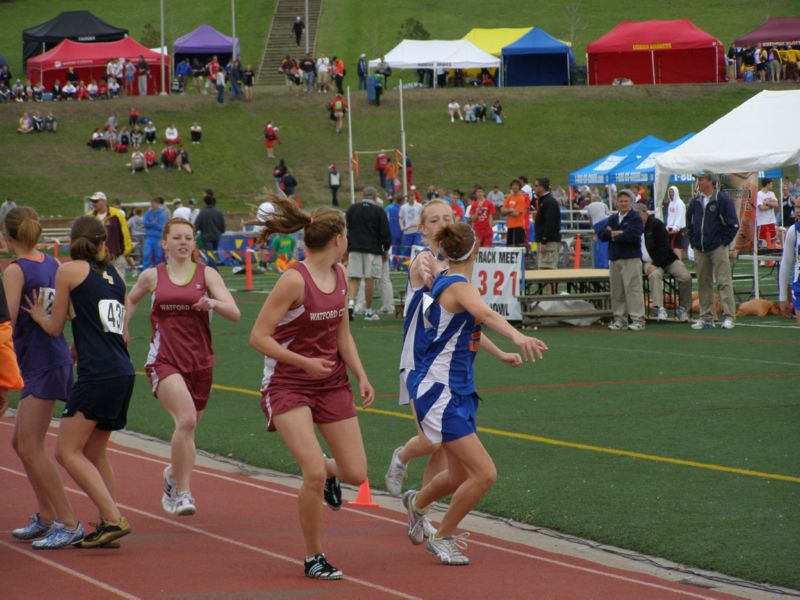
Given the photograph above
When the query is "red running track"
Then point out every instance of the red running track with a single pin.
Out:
(245, 543)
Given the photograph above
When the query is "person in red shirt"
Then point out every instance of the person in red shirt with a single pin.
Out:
(338, 106)
(303, 331)
(150, 157)
(381, 162)
(168, 156)
(516, 208)
(480, 217)
(270, 137)
(181, 358)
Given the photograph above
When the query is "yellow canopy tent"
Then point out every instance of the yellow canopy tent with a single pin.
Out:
(492, 41)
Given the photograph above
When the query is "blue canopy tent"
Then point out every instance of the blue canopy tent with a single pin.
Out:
(599, 172)
(537, 58)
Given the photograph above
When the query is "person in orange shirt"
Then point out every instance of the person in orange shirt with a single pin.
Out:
(338, 73)
(516, 207)
(389, 171)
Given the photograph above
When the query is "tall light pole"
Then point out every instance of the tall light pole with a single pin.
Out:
(161, 51)
(307, 47)
(233, 22)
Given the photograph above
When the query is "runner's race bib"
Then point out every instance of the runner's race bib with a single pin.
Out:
(112, 316)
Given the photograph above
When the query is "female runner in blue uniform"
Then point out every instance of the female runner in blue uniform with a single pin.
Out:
(443, 390)
(98, 403)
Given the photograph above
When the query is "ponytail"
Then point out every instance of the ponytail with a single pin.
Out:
(87, 242)
(23, 226)
(319, 227)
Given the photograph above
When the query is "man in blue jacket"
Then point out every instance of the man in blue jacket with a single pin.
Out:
(712, 224)
(154, 222)
(623, 232)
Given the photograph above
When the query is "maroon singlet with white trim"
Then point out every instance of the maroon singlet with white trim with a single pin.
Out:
(310, 330)
(181, 336)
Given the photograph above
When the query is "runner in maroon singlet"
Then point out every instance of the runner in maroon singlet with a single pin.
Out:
(181, 359)
(308, 348)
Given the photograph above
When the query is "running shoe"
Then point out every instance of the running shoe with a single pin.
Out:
(702, 324)
(636, 326)
(427, 527)
(170, 495)
(448, 549)
(333, 493)
(59, 536)
(416, 531)
(662, 314)
(396, 474)
(185, 505)
(728, 324)
(33, 530)
(105, 533)
(683, 315)
(318, 567)
(616, 326)
(371, 315)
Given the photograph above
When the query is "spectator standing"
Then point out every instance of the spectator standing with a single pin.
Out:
(515, 208)
(323, 74)
(480, 217)
(598, 211)
(623, 233)
(248, 79)
(338, 107)
(334, 182)
(179, 211)
(297, 29)
(270, 137)
(182, 71)
(210, 226)
(393, 214)
(194, 211)
(497, 197)
(789, 275)
(130, 75)
(676, 222)
(198, 72)
(118, 238)
(6, 207)
(410, 215)
(235, 76)
(289, 183)
(711, 224)
(219, 81)
(381, 162)
(766, 204)
(658, 259)
(309, 69)
(136, 228)
(363, 70)
(5, 76)
(368, 244)
(143, 71)
(154, 222)
(548, 225)
(339, 72)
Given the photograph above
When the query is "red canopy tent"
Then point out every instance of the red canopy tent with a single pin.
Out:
(773, 33)
(650, 52)
(89, 62)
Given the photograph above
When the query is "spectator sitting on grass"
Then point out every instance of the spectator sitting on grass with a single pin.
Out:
(112, 122)
(171, 134)
(57, 91)
(97, 141)
(38, 92)
(469, 112)
(38, 121)
(138, 162)
(480, 111)
(124, 137)
(69, 91)
(136, 136)
(50, 123)
(454, 110)
(196, 132)
(5, 93)
(150, 132)
(18, 91)
(113, 88)
(82, 93)
(102, 90)
(92, 89)
(496, 112)
(133, 116)
(168, 157)
(25, 124)
(183, 160)
(150, 157)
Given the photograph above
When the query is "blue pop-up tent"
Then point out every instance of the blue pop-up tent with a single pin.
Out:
(599, 172)
(537, 58)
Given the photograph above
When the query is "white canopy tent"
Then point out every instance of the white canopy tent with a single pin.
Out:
(438, 54)
(760, 134)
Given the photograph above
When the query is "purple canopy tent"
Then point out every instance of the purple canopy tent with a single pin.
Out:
(773, 33)
(202, 43)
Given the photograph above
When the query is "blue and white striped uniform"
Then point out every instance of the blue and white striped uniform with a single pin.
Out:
(443, 383)
(412, 327)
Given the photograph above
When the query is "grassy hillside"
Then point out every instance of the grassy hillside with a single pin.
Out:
(350, 27)
(548, 132)
(180, 17)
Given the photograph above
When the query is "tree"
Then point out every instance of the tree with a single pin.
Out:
(413, 30)
(151, 37)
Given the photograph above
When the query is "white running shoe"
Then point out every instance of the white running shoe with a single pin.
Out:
(728, 323)
(662, 314)
(415, 531)
(616, 326)
(371, 315)
(396, 474)
(33, 530)
(702, 324)
(636, 326)
(170, 494)
(184, 505)
(448, 549)
(428, 529)
(683, 315)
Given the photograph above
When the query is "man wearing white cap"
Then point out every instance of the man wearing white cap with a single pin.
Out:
(118, 241)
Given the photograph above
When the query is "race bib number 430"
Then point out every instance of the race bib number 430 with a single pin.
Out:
(112, 316)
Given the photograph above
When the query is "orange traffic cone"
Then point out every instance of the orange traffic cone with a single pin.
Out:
(577, 260)
(364, 496)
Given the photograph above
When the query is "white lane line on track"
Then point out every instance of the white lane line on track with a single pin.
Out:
(68, 570)
(373, 516)
(230, 541)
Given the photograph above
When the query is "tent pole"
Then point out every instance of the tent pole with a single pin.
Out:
(161, 51)
(350, 147)
(588, 78)
(435, 76)
(566, 57)
(653, 65)
(755, 257)
(403, 142)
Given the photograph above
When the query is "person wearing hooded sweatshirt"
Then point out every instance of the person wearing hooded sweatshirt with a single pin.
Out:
(676, 223)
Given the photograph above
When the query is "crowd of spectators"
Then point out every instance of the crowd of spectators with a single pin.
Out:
(780, 62)
(34, 122)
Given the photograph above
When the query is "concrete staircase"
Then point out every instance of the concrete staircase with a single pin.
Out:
(280, 40)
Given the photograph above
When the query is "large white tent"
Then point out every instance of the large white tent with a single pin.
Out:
(438, 54)
(760, 134)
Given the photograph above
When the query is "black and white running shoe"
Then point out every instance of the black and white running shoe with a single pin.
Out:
(333, 493)
(319, 568)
